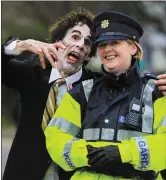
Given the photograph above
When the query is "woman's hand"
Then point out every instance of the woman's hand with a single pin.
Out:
(162, 83)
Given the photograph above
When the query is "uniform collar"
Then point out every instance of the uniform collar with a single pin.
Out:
(129, 77)
(55, 74)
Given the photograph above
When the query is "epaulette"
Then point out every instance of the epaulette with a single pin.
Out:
(150, 76)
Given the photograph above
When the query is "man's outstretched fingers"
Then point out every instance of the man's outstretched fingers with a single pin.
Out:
(41, 56)
(49, 57)
(162, 76)
(59, 45)
(53, 52)
(55, 57)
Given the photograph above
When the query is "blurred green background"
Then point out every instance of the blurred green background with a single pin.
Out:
(31, 19)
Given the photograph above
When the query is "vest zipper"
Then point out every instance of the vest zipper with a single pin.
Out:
(116, 126)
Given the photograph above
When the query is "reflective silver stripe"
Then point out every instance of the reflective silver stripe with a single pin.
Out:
(65, 125)
(67, 152)
(87, 85)
(144, 155)
(126, 134)
(94, 133)
(107, 134)
(91, 134)
(163, 123)
(147, 117)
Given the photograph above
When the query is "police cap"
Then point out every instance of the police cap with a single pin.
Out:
(111, 25)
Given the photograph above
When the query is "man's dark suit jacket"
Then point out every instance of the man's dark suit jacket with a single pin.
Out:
(28, 158)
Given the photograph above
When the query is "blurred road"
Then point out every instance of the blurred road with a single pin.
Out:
(5, 151)
(7, 138)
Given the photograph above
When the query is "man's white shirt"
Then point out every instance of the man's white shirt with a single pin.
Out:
(9, 49)
(62, 89)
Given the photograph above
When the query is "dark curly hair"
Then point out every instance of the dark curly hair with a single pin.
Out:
(58, 30)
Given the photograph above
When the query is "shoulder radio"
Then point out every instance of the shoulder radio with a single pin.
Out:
(134, 117)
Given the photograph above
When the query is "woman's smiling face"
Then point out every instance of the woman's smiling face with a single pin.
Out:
(116, 55)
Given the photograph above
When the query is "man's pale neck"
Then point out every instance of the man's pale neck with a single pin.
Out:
(66, 73)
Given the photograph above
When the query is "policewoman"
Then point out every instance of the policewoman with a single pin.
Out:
(113, 127)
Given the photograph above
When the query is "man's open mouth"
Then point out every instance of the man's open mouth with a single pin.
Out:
(73, 56)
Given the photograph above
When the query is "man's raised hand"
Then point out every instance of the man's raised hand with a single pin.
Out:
(42, 49)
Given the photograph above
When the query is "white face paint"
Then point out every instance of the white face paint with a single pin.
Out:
(78, 41)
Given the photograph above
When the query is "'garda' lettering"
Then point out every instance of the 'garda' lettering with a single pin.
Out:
(143, 152)
(67, 151)
(67, 159)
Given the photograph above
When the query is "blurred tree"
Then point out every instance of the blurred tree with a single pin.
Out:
(31, 19)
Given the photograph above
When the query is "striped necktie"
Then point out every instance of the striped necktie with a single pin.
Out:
(51, 105)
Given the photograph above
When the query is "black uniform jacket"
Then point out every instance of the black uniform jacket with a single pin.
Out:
(28, 158)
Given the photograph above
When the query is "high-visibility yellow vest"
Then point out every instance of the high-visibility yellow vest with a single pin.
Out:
(70, 152)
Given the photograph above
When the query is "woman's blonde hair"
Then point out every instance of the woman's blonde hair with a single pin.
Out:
(139, 53)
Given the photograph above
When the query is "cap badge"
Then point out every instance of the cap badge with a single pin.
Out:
(104, 24)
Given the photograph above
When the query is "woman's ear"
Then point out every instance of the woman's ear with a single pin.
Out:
(134, 49)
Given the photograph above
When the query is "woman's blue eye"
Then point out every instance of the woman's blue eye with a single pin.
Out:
(114, 42)
(103, 44)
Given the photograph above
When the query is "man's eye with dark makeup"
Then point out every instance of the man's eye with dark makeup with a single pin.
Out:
(87, 42)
